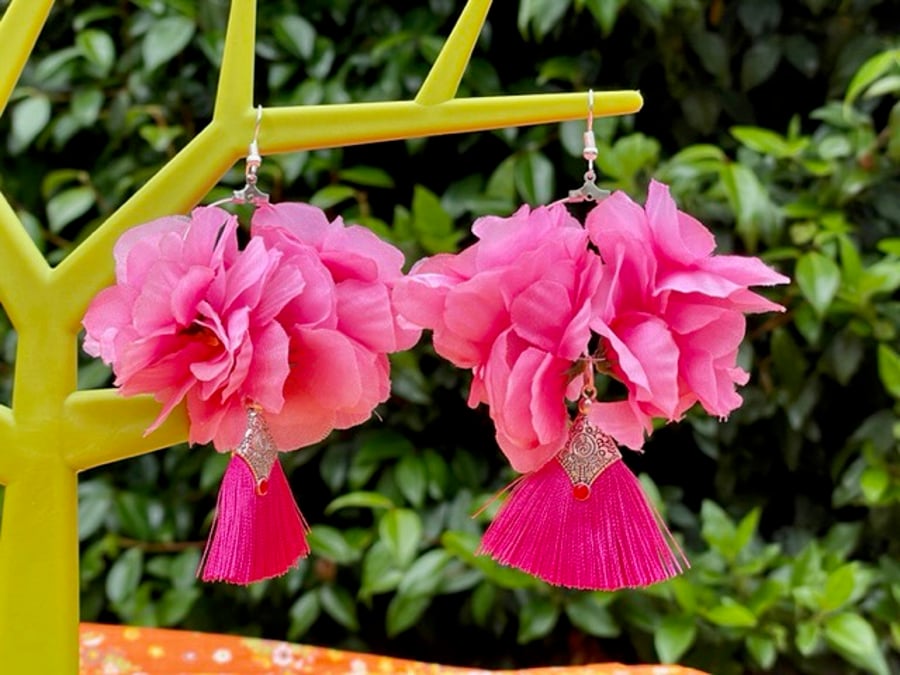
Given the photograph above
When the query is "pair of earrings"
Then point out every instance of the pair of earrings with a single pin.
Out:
(274, 345)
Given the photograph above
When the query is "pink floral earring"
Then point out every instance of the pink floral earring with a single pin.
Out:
(271, 347)
(523, 307)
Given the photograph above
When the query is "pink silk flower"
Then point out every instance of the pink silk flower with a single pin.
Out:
(515, 308)
(670, 311)
(192, 317)
(520, 306)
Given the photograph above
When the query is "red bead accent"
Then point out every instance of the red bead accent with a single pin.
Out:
(581, 491)
(262, 487)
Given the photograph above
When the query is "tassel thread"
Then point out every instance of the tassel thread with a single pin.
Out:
(258, 531)
(583, 521)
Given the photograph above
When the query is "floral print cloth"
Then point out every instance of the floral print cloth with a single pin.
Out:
(121, 650)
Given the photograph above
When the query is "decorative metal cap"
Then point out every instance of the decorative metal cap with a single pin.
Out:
(588, 453)
(257, 448)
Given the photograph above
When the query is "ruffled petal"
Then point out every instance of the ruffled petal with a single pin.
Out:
(622, 421)
(679, 236)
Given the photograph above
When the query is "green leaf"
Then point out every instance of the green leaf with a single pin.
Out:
(175, 604)
(605, 12)
(339, 605)
(374, 449)
(889, 369)
(502, 182)
(819, 278)
(769, 592)
(808, 637)
(851, 636)
(464, 544)
(379, 571)
(412, 479)
(438, 473)
(746, 529)
(718, 530)
(483, 599)
(133, 511)
(332, 195)
(160, 138)
(98, 48)
(297, 34)
(359, 499)
(541, 15)
(807, 567)
(404, 611)
(871, 70)
(213, 469)
(368, 176)
(890, 245)
(763, 650)
(425, 574)
(68, 205)
(183, 569)
(303, 613)
(731, 614)
(86, 105)
(29, 117)
(874, 483)
(750, 202)
(94, 502)
(686, 594)
(125, 575)
(763, 141)
(674, 636)
(713, 52)
(839, 587)
(590, 615)
(628, 157)
(758, 63)
(791, 365)
(431, 222)
(536, 619)
(166, 38)
(834, 146)
(401, 531)
(329, 542)
(534, 177)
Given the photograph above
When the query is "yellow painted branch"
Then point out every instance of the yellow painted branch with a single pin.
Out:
(19, 29)
(325, 126)
(193, 172)
(46, 367)
(23, 283)
(93, 440)
(39, 567)
(175, 189)
(9, 457)
(235, 91)
(447, 72)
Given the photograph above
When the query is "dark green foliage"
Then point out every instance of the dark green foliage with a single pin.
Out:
(777, 124)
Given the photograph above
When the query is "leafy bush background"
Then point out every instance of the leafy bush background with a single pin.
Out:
(777, 124)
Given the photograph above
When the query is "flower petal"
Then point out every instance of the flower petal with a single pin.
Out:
(620, 420)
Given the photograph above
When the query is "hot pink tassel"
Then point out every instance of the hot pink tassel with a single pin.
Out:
(582, 520)
(258, 531)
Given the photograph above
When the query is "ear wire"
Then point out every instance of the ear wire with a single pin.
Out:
(250, 193)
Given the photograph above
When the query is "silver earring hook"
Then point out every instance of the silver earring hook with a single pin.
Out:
(250, 193)
(589, 192)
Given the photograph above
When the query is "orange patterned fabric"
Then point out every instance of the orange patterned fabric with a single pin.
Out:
(121, 650)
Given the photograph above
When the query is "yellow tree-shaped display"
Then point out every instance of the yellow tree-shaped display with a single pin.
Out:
(52, 431)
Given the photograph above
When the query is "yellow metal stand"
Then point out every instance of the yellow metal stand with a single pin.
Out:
(54, 431)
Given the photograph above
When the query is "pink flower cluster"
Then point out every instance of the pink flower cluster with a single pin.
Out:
(298, 322)
(521, 306)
